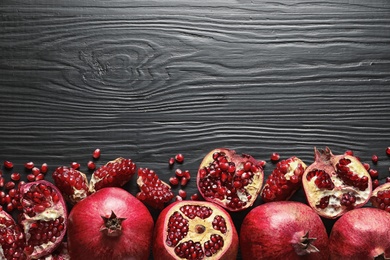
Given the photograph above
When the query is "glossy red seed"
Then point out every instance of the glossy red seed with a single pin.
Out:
(183, 181)
(8, 165)
(388, 151)
(10, 185)
(15, 176)
(179, 158)
(182, 193)
(275, 157)
(195, 196)
(387, 179)
(30, 177)
(367, 166)
(75, 165)
(91, 165)
(179, 173)
(96, 154)
(374, 158)
(171, 162)
(178, 198)
(44, 168)
(375, 183)
(187, 174)
(35, 171)
(348, 152)
(29, 165)
(373, 173)
(174, 181)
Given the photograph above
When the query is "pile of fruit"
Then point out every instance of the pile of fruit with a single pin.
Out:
(76, 217)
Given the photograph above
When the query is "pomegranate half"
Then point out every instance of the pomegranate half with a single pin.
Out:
(361, 234)
(283, 230)
(230, 180)
(194, 230)
(110, 224)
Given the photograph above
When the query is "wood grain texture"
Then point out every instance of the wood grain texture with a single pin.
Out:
(148, 79)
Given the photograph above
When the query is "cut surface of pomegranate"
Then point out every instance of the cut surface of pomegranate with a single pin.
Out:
(283, 230)
(194, 230)
(361, 234)
(380, 197)
(110, 224)
(12, 240)
(335, 184)
(230, 180)
(284, 180)
(44, 217)
(153, 191)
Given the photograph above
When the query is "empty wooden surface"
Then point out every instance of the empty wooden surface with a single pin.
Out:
(149, 79)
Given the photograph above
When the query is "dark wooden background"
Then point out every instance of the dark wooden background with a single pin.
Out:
(149, 79)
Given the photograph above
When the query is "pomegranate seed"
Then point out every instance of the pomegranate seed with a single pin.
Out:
(8, 165)
(373, 173)
(387, 179)
(348, 152)
(2, 182)
(388, 151)
(15, 176)
(275, 157)
(96, 153)
(10, 185)
(29, 165)
(374, 158)
(182, 193)
(179, 158)
(75, 165)
(91, 165)
(367, 166)
(30, 177)
(39, 177)
(375, 183)
(44, 168)
(178, 198)
(187, 174)
(179, 173)
(195, 196)
(171, 162)
(184, 181)
(35, 171)
(174, 181)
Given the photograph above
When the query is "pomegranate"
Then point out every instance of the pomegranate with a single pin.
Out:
(43, 217)
(284, 180)
(61, 253)
(110, 224)
(283, 230)
(230, 180)
(335, 184)
(194, 230)
(153, 191)
(381, 197)
(361, 234)
(12, 240)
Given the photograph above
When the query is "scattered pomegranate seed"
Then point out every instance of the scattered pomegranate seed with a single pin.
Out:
(35, 171)
(179, 173)
(178, 198)
(174, 181)
(96, 153)
(171, 162)
(2, 182)
(182, 193)
(31, 177)
(8, 165)
(374, 158)
(387, 179)
(39, 177)
(375, 183)
(373, 173)
(367, 166)
(348, 152)
(388, 151)
(187, 174)
(15, 176)
(275, 157)
(10, 185)
(183, 181)
(195, 196)
(29, 165)
(44, 168)
(75, 165)
(179, 158)
(91, 165)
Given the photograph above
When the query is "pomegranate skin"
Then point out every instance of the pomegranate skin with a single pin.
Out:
(160, 251)
(273, 230)
(362, 233)
(87, 241)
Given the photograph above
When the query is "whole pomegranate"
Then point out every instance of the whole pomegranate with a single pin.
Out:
(230, 180)
(361, 234)
(194, 230)
(43, 218)
(109, 224)
(283, 230)
(335, 184)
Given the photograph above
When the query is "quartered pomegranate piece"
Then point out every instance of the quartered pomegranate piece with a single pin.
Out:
(195, 230)
(284, 180)
(335, 184)
(115, 173)
(381, 197)
(153, 191)
(11, 238)
(230, 180)
(72, 183)
(43, 219)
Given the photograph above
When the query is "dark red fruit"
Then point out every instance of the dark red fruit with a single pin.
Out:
(12, 240)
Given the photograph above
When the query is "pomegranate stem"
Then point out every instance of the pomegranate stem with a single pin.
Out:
(112, 225)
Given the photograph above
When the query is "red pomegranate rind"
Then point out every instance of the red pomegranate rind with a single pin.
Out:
(284, 180)
(335, 184)
(11, 238)
(153, 191)
(230, 180)
(72, 183)
(204, 226)
(43, 218)
(381, 197)
(115, 173)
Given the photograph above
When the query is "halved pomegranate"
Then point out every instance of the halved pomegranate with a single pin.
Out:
(44, 217)
(230, 180)
(381, 197)
(335, 184)
(12, 240)
(194, 230)
(284, 180)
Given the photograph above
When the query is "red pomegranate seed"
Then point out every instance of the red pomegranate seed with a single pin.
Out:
(375, 183)
(187, 174)
(388, 151)
(174, 181)
(374, 158)
(179, 173)
(348, 152)
(15, 176)
(96, 153)
(2, 182)
(387, 179)
(178, 198)
(29, 165)
(373, 173)
(39, 177)
(195, 196)
(44, 168)
(171, 162)
(367, 166)
(183, 181)
(10, 185)
(182, 193)
(179, 158)
(8, 165)
(31, 177)
(275, 157)
(75, 165)
(91, 165)
(35, 171)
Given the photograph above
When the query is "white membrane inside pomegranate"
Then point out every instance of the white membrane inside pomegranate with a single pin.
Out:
(196, 232)
(335, 184)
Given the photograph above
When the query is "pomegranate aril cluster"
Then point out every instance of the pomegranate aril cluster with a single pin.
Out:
(349, 177)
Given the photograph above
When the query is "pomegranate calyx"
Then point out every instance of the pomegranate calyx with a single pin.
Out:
(112, 226)
(303, 244)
